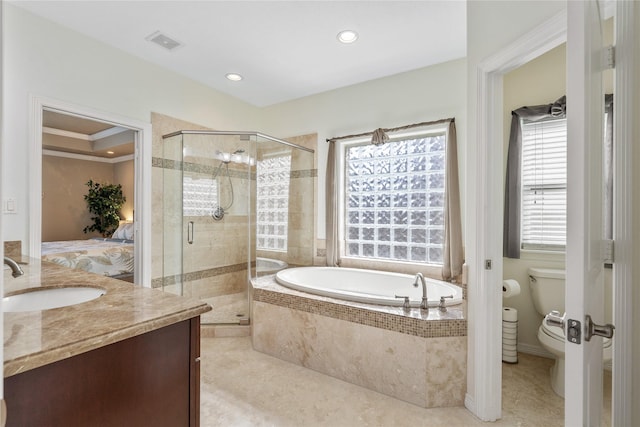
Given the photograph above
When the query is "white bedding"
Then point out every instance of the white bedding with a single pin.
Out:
(108, 257)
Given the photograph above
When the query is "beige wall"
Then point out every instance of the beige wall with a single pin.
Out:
(124, 174)
(64, 210)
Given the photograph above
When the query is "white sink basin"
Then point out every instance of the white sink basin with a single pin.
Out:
(47, 298)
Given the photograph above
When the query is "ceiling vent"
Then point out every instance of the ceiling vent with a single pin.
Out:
(164, 41)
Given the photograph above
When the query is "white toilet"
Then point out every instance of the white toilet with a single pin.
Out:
(547, 291)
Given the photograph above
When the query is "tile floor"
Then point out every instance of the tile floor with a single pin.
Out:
(228, 309)
(242, 387)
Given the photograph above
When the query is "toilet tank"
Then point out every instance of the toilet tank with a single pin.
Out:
(547, 289)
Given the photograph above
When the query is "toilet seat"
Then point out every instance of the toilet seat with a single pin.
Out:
(554, 332)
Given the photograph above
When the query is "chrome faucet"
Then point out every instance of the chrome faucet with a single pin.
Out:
(16, 271)
(425, 302)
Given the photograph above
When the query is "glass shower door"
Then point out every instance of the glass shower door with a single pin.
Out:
(216, 170)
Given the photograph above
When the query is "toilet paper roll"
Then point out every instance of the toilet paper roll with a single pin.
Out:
(509, 352)
(510, 288)
(509, 314)
(509, 344)
(510, 359)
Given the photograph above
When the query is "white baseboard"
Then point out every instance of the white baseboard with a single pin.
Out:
(537, 350)
(469, 403)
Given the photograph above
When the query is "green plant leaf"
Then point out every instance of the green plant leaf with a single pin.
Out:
(104, 202)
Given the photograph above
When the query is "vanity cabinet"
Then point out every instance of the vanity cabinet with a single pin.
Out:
(152, 379)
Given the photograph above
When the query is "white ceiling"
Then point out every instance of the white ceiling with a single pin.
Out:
(284, 49)
(67, 133)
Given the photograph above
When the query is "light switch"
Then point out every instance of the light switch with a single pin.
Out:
(10, 206)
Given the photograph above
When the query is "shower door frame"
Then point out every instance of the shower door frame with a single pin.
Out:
(248, 134)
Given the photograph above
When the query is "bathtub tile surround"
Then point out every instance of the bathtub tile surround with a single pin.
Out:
(416, 357)
(415, 322)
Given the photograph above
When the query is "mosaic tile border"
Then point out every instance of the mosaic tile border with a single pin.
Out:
(159, 162)
(304, 173)
(196, 275)
(392, 322)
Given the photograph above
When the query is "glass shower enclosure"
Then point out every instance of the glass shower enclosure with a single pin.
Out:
(236, 205)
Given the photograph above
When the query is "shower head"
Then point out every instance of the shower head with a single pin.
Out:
(238, 151)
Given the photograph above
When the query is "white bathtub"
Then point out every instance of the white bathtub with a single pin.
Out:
(269, 266)
(367, 286)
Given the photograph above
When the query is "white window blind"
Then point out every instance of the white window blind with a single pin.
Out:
(544, 184)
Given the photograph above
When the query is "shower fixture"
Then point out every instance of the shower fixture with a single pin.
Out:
(225, 159)
(237, 156)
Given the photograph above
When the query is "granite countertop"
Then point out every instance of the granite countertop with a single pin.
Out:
(36, 338)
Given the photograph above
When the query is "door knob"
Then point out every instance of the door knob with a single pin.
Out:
(592, 329)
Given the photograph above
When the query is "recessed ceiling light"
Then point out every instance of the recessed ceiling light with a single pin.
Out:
(347, 36)
(234, 77)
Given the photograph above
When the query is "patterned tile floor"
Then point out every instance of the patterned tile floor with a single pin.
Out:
(242, 387)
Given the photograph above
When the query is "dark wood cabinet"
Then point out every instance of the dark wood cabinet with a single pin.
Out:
(151, 379)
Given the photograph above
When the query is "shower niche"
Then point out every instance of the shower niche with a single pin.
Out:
(236, 205)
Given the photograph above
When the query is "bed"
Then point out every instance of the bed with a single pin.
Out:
(112, 257)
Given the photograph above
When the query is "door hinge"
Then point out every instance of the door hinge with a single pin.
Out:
(609, 58)
(608, 251)
(488, 264)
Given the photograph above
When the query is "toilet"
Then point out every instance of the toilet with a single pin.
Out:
(547, 291)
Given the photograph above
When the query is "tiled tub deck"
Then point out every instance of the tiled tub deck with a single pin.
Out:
(414, 356)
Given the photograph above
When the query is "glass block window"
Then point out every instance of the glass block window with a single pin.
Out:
(273, 174)
(200, 196)
(394, 200)
(544, 185)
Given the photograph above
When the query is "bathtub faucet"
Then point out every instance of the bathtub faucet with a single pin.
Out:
(425, 302)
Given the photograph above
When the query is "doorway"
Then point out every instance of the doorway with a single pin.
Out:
(484, 343)
(83, 157)
(109, 132)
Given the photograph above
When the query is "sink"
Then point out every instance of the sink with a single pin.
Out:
(48, 298)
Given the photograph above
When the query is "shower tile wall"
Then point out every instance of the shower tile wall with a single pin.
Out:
(215, 264)
(302, 202)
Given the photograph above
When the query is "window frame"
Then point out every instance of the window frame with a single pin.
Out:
(341, 165)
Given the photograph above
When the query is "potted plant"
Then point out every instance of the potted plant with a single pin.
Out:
(104, 202)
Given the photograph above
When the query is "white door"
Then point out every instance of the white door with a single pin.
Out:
(585, 261)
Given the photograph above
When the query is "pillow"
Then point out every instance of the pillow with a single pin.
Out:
(124, 231)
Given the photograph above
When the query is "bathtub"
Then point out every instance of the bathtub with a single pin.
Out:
(269, 266)
(366, 286)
